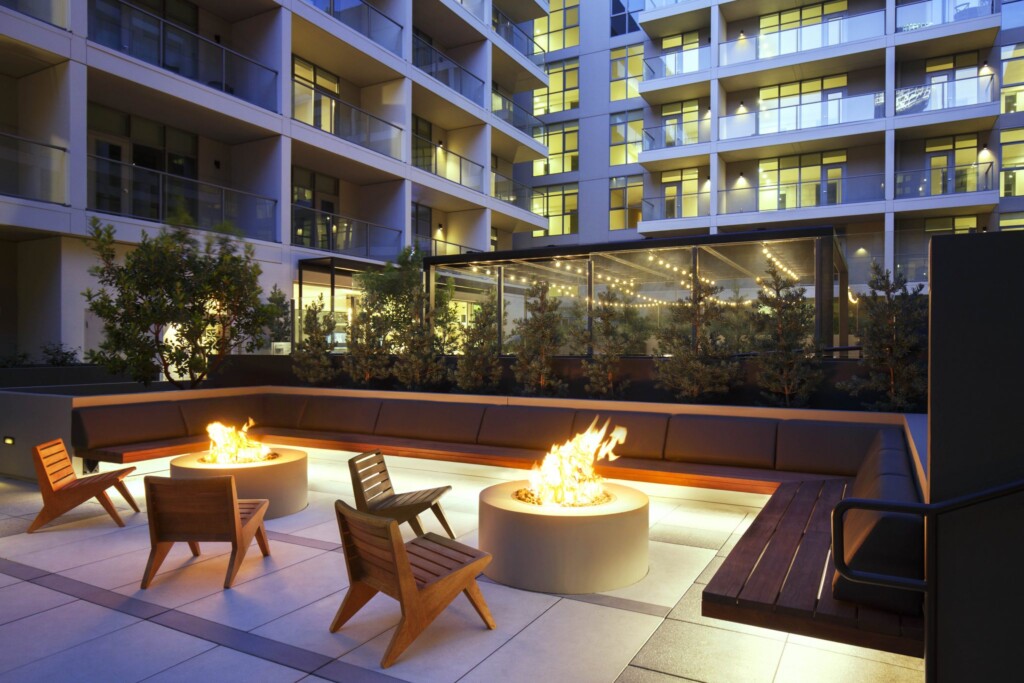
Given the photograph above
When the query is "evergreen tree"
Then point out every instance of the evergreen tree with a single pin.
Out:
(576, 338)
(611, 340)
(695, 364)
(540, 338)
(636, 329)
(893, 343)
(445, 319)
(311, 358)
(786, 366)
(418, 363)
(280, 312)
(479, 366)
(368, 357)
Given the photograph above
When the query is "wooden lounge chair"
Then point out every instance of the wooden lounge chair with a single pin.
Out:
(424, 575)
(197, 510)
(374, 494)
(63, 490)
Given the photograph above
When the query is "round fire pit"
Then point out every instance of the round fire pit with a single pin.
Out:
(553, 549)
(283, 480)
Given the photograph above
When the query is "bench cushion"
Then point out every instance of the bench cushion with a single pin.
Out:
(717, 440)
(836, 448)
(430, 420)
(645, 432)
(283, 410)
(526, 427)
(340, 414)
(98, 426)
(231, 411)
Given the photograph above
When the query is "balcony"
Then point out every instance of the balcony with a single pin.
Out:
(516, 37)
(447, 71)
(963, 92)
(511, 192)
(365, 19)
(474, 7)
(331, 114)
(677, 63)
(52, 12)
(147, 37)
(803, 116)
(343, 235)
(945, 180)
(918, 15)
(677, 135)
(436, 247)
(32, 170)
(447, 164)
(841, 191)
(129, 190)
(511, 113)
(791, 41)
(668, 207)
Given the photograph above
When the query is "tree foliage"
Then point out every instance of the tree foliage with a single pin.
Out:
(311, 357)
(611, 338)
(174, 306)
(540, 338)
(479, 366)
(893, 343)
(279, 325)
(786, 366)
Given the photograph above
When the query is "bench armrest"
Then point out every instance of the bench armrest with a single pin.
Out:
(839, 543)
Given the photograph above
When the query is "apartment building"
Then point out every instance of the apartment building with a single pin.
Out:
(331, 133)
(887, 121)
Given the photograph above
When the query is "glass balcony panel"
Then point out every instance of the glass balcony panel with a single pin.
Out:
(510, 112)
(341, 119)
(436, 247)
(366, 19)
(803, 116)
(831, 192)
(677, 134)
(32, 170)
(666, 207)
(918, 15)
(447, 164)
(826, 34)
(516, 37)
(343, 235)
(945, 180)
(511, 192)
(962, 92)
(443, 68)
(678, 63)
(475, 7)
(51, 11)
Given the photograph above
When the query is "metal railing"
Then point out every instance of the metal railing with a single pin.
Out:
(512, 192)
(510, 112)
(918, 15)
(677, 134)
(443, 68)
(519, 39)
(802, 116)
(807, 194)
(129, 190)
(343, 235)
(132, 31)
(836, 31)
(666, 207)
(932, 182)
(447, 164)
(436, 247)
(366, 19)
(962, 92)
(331, 114)
(32, 170)
(677, 63)
(51, 11)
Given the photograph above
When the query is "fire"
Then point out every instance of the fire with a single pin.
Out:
(231, 447)
(566, 477)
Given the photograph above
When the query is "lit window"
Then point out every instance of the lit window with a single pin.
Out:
(627, 71)
(561, 28)
(1012, 95)
(559, 204)
(623, 15)
(801, 180)
(1011, 182)
(562, 141)
(563, 91)
(682, 197)
(627, 132)
(1011, 221)
(625, 199)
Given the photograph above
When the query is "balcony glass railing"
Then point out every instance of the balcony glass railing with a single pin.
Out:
(129, 190)
(475, 7)
(447, 164)
(331, 114)
(932, 182)
(833, 192)
(667, 207)
(511, 113)
(145, 36)
(511, 192)
(343, 235)
(51, 11)
(962, 92)
(835, 32)
(654, 4)
(445, 69)
(436, 247)
(365, 19)
(677, 63)
(677, 134)
(803, 116)
(516, 37)
(32, 170)
(918, 15)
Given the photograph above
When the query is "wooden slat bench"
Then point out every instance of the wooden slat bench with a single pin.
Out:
(779, 576)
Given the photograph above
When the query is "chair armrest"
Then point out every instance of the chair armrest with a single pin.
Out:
(839, 543)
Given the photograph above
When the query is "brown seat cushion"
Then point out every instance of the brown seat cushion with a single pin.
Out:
(340, 414)
(430, 420)
(645, 432)
(826, 447)
(283, 410)
(526, 427)
(97, 426)
(716, 440)
(231, 411)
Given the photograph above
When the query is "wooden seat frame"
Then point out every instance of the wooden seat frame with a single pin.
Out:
(371, 484)
(200, 510)
(63, 490)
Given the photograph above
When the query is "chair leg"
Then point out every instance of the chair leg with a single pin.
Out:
(358, 595)
(414, 522)
(472, 592)
(436, 507)
(108, 505)
(261, 540)
(45, 516)
(235, 563)
(408, 630)
(156, 558)
(194, 547)
(123, 490)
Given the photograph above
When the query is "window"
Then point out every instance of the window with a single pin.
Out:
(561, 28)
(627, 132)
(624, 16)
(682, 54)
(1011, 221)
(682, 198)
(778, 34)
(1012, 95)
(563, 91)
(956, 224)
(1011, 181)
(562, 140)
(307, 81)
(780, 108)
(559, 204)
(627, 71)
(681, 121)
(624, 201)
(801, 180)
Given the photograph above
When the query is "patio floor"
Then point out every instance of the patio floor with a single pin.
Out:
(71, 607)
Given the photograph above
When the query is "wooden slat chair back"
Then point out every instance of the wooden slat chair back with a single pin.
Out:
(202, 510)
(424, 575)
(371, 485)
(63, 490)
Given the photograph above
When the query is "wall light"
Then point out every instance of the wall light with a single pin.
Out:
(8, 440)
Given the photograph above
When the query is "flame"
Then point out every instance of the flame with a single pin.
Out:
(230, 447)
(566, 476)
